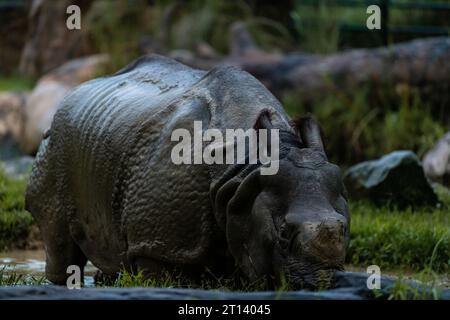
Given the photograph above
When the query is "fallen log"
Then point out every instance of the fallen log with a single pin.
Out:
(420, 65)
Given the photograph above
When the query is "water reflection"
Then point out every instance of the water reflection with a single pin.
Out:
(32, 263)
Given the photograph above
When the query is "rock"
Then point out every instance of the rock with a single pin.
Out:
(349, 286)
(49, 92)
(436, 162)
(12, 106)
(17, 167)
(395, 179)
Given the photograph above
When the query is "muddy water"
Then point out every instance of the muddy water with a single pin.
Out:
(32, 263)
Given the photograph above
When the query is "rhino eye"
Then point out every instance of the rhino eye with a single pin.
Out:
(340, 206)
(284, 231)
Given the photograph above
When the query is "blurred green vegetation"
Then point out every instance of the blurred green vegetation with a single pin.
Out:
(15, 222)
(322, 26)
(317, 27)
(15, 83)
(116, 28)
(177, 25)
(369, 124)
(210, 22)
(310, 26)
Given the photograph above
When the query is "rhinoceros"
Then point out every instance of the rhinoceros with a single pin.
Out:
(104, 188)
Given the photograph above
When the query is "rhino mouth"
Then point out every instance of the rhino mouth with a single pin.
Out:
(310, 276)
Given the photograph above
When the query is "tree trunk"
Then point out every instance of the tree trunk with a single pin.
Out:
(49, 42)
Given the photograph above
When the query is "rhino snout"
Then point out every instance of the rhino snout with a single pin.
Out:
(323, 239)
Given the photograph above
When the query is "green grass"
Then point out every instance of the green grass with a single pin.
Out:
(394, 239)
(403, 291)
(11, 278)
(426, 287)
(15, 222)
(208, 281)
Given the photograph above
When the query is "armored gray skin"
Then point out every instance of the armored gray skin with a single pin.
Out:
(104, 188)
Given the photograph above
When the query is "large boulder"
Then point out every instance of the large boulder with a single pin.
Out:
(396, 179)
(436, 162)
(44, 100)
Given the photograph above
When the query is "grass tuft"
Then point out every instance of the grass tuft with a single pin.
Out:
(11, 278)
(208, 281)
(392, 239)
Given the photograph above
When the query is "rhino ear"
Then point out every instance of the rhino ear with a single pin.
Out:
(310, 133)
(264, 120)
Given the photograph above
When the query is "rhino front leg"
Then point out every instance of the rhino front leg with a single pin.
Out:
(60, 248)
(42, 201)
(62, 252)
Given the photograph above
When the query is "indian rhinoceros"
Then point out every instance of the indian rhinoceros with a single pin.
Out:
(104, 187)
